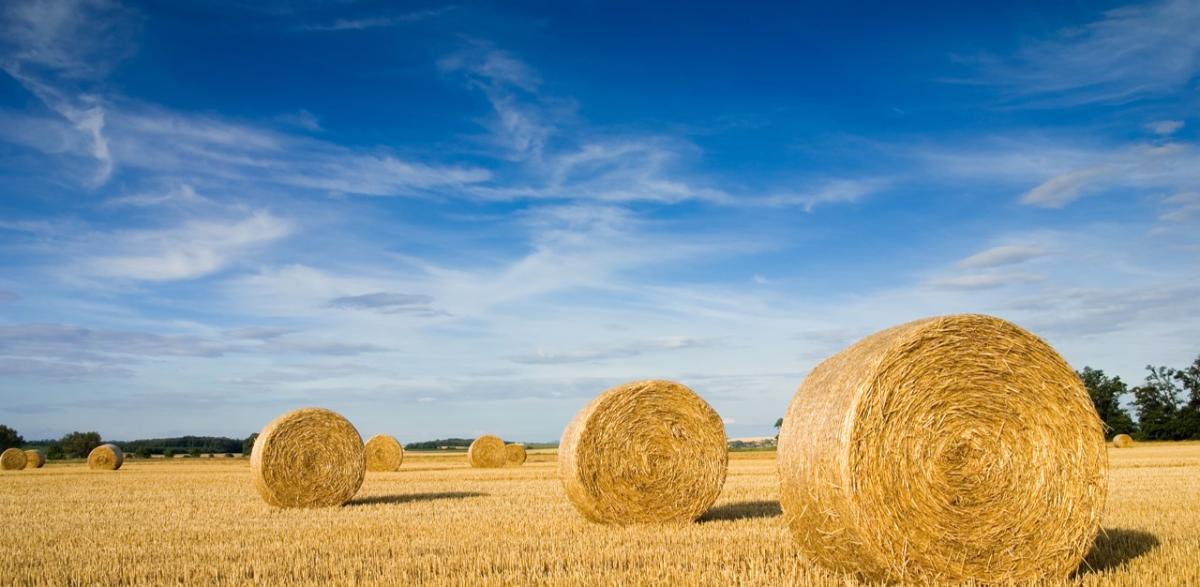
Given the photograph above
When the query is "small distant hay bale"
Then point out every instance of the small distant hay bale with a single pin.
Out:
(384, 453)
(644, 452)
(955, 449)
(106, 457)
(516, 454)
(12, 459)
(308, 458)
(487, 452)
(1122, 441)
(34, 459)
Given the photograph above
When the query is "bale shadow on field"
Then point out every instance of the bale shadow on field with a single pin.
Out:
(1114, 547)
(742, 510)
(412, 497)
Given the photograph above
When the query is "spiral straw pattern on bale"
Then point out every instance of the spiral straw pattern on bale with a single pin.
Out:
(952, 449)
(644, 452)
(308, 458)
(384, 453)
(1122, 441)
(106, 457)
(34, 459)
(516, 454)
(12, 459)
(487, 452)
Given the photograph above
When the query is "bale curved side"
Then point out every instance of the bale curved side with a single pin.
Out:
(34, 459)
(308, 458)
(106, 457)
(12, 459)
(516, 454)
(946, 450)
(1122, 441)
(384, 453)
(487, 452)
(644, 452)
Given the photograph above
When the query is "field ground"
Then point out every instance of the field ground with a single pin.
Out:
(439, 522)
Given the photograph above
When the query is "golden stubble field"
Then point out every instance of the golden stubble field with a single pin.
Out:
(440, 522)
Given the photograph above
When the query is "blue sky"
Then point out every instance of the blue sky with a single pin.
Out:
(444, 220)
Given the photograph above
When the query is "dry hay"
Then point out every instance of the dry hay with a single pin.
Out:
(12, 459)
(106, 457)
(951, 449)
(384, 453)
(1122, 441)
(487, 452)
(34, 459)
(516, 454)
(308, 458)
(644, 452)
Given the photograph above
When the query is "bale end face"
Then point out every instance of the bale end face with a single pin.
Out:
(34, 459)
(12, 459)
(106, 457)
(644, 452)
(1122, 441)
(516, 454)
(384, 453)
(487, 452)
(308, 458)
(955, 449)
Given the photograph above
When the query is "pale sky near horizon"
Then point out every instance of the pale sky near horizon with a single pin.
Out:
(445, 220)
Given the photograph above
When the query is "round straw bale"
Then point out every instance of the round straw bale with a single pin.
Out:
(34, 459)
(384, 453)
(644, 452)
(12, 459)
(1122, 441)
(947, 450)
(308, 458)
(516, 454)
(487, 452)
(106, 457)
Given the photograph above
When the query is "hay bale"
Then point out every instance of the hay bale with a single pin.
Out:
(644, 452)
(946, 450)
(384, 453)
(34, 459)
(308, 458)
(487, 452)
(106, 457)
(1122, 441)
(515, 454)
(12, 459)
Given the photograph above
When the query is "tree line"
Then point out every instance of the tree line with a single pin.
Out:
(1166, 404)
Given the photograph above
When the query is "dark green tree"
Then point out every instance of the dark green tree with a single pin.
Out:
(1188, 420)
(778, 428)
(55, 452)
(1157, 403)
(248, 444)
(9, 438)
(194, 453)
(1106, 395)
(168, 453)
(77, 445)
(143, 452)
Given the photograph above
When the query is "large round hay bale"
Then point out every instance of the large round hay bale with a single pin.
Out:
(34, 459)
(308, 458)
(384, 453)
(487, 452)
(947, 450)
(106, 457)
(12, 459)
(515, 454)
(1122, 441)
(644, 452)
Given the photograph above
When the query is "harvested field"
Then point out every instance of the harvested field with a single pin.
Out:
(201, 521)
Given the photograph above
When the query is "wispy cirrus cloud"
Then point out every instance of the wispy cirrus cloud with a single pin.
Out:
(616, 351)
(1000, 256)
(389, 303)
(373, 22)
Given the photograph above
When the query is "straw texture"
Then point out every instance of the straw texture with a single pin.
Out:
(1122, 441)
(308, 458)
(106, 457)
(487, 452)
(516, 454)
(34, 459)
(644, 452)
(12, 459)
(951, 449)
(384, 453)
